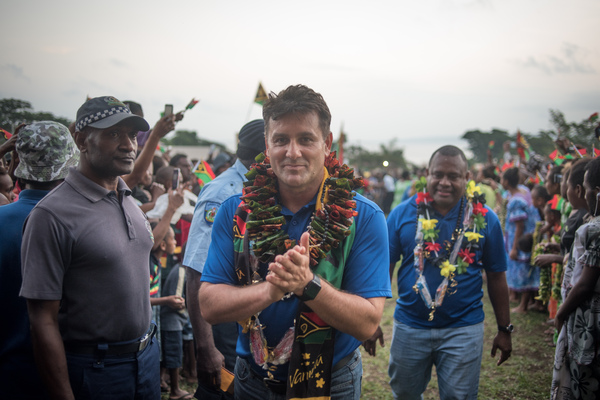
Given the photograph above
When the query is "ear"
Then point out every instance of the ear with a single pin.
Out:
(163, 245)
(266, 145)
(328, 143)
(80, 141)
(469, 175)
(580, 192)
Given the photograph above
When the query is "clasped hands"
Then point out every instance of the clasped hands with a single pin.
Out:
(291, 271)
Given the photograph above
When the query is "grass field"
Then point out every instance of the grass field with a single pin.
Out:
(525, 376)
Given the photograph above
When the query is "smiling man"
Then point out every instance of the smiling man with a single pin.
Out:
(85, 269)
(439, 314)
(300, 263)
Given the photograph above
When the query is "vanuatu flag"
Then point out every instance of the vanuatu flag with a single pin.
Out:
(261, 95)
(191, 104)
(5, 134)
(204, 173)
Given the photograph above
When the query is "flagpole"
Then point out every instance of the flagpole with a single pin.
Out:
(249, 111)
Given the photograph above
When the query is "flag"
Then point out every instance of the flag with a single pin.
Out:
(554, 155)
(594, 117)
(556, 203)
(522, 147)
(596, 152)
(491, 144)
(7, 135)
(191, 104)
(204, 173)
(261, 95)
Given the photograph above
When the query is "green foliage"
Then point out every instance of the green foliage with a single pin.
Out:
(479, 143)
(189, 138)
(14, 112)
(369, 160)
(542, 143)
(581, 133)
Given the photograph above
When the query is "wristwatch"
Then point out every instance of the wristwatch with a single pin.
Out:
(507, 329)
(311, 289)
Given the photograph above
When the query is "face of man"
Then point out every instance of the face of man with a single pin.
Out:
(446, 181)
(185, 167)
(110, 152)
(297, 150)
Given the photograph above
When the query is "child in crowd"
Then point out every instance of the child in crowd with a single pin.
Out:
(172, 324)
(162, 247)
(539, 198)
(576, 365)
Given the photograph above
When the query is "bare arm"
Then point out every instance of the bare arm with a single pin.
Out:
(48, 347)
(345, 312)
(172, 301)
(226, 303)
(498, 292)
(520, 228)
(582, 290)
(209, 360)
(160, 230)
(162, 127)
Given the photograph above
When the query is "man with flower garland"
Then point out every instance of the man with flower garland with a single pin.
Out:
(304, 267)
(446, 237)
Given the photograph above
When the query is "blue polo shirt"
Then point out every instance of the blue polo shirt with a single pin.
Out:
(366, 272)
(462, 308)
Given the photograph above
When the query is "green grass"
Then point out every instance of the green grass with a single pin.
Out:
(525, 376)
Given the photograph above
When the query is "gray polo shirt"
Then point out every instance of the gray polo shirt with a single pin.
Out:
(85, 247)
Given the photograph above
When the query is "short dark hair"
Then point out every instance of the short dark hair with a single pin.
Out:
(577, 172)
(175, 159)
(135, 108)
(164, 176)
(542, 192)
(297, 99)
(555, 171)
(593, 170)
(511, 176)
(489, 172)
(449, 151)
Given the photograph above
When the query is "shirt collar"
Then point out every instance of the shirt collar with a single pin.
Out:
(90, 189)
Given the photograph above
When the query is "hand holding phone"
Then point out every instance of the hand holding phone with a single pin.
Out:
(175, 181)
(168, 110)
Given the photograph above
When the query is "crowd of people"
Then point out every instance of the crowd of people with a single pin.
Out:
(125, 270)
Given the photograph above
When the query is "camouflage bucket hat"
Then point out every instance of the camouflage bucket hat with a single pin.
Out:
(46, 151)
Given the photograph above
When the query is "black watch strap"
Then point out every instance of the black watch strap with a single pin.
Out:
(507, 329)
(311, 289)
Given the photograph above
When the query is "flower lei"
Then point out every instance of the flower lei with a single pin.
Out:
(452, 257)
(329, 225)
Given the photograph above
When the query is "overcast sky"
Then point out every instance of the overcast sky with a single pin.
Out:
(421, 72)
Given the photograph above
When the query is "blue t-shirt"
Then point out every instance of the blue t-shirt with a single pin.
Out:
(18, 373)
(365, 274)
(462, 308)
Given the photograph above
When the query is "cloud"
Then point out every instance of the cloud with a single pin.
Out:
(15, 71)
(118, 63)
(570, 61)
(57, 50)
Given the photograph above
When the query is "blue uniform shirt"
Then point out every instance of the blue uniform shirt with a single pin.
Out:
(365, 274)
(209, 201)
(462, 308)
